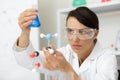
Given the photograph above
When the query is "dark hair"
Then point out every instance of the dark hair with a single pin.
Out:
(85, 16)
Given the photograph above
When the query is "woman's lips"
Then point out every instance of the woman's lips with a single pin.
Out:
(76, 46)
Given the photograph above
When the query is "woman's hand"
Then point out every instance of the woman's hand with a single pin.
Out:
(26, 17)
(56, 61)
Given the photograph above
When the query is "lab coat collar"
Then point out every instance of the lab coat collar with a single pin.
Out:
(86, 64)
(92, 57)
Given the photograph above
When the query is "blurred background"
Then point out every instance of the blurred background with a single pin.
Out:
(52, 15)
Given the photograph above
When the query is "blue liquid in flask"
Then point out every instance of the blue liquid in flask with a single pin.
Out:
(35, 23)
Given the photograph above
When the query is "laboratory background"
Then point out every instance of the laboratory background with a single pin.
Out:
(52, 16)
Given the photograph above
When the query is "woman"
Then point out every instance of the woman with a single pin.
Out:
(83, 55)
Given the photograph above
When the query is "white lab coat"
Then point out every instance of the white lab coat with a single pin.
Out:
(101, 64)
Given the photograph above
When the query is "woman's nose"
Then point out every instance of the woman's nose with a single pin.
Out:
(75, 37)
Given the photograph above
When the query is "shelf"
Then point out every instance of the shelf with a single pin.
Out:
(97, 8)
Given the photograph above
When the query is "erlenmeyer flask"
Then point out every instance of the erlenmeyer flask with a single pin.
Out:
(35, 22)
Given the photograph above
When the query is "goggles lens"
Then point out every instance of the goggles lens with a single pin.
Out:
(83, 34)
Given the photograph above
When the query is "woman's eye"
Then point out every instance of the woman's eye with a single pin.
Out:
(83, 32)
(69, 30)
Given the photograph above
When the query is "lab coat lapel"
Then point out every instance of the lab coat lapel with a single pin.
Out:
(91, 58)
(84, 66)
(84, 72)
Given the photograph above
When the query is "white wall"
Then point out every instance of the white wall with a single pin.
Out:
(9, 32)
(109, 27)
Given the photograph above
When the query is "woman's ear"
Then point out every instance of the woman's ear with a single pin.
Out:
(96, 34)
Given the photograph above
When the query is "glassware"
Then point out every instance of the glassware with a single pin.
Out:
(77, 3)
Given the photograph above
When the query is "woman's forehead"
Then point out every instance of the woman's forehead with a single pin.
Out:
(73, 22)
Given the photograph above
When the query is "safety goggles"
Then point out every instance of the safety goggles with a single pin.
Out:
(82, 34)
